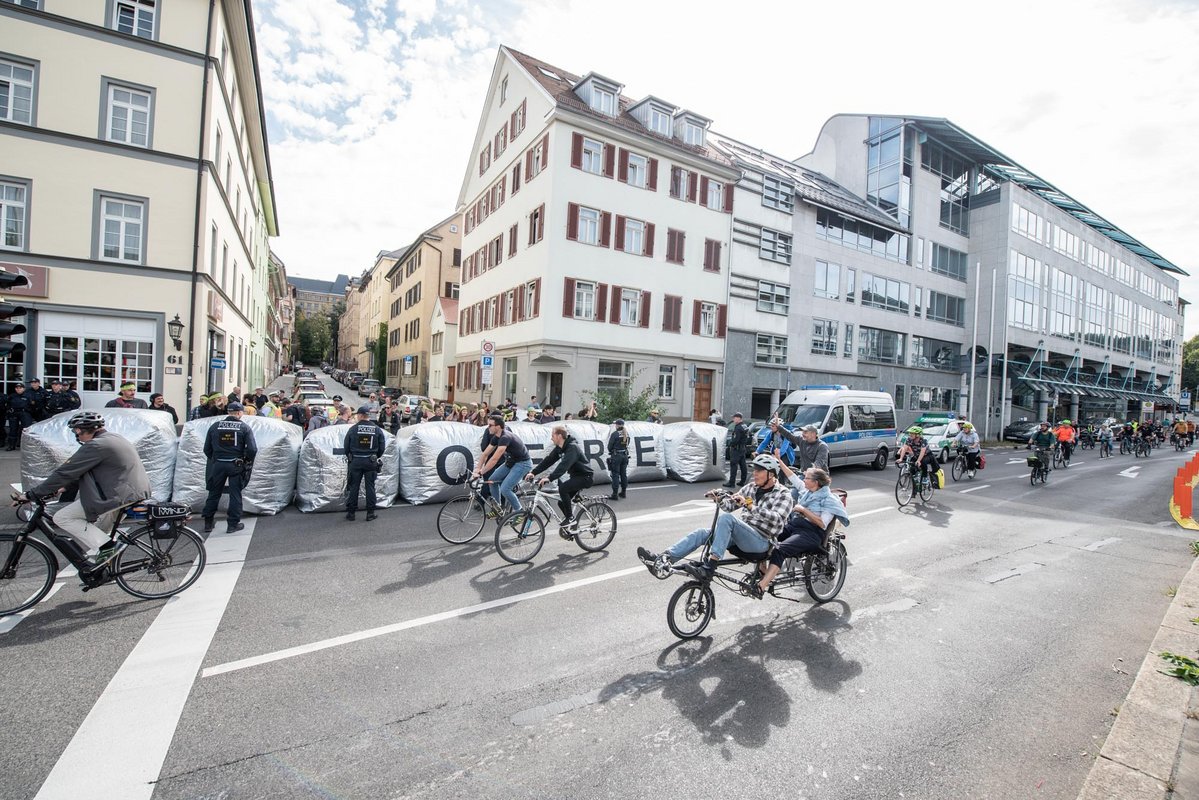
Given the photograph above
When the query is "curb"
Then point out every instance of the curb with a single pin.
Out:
(1150, 752)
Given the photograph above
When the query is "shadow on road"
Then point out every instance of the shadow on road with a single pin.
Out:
(48, 622)
(431, 566)
(510, 579)
(936, 513)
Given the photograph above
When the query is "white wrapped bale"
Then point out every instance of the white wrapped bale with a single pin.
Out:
(321, 476)
(647, 461)
(593, 438)
(434, 457)
(273, 482)
(694, 451)
(535, 436)
(47, 444)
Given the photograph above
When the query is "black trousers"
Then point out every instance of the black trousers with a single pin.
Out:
(618, 468)
(737, 462)
(217, 475)
(16, 425)
(354, 478)
(567, 490)
(799, 537)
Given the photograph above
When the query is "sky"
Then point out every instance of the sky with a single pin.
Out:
(372, 105)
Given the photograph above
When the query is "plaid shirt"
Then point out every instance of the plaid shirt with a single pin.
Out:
(769, 511)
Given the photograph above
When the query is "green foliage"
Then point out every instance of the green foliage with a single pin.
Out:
(380, 372)
(313, 337)
(1185, 669)
(1195, 548)
(621, 403)
(1190, 363)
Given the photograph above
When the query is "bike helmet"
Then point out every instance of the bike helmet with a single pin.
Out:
(88, 420)
(766, 462)
(915, 430)
(1065, 422)
(967, 426)
(1044, 423)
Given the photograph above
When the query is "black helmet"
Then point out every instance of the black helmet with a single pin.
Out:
(88, 420)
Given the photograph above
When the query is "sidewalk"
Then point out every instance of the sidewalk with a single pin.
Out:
(1152, 751)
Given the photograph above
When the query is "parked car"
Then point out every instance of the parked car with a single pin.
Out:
(367, 386)
(353, 379)
(1019, 431)
(306, 399)
(389, 392)
(408, 404)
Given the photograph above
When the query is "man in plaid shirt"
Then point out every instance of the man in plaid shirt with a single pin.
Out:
(765, 504)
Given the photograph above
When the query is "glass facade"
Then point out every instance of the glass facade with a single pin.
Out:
(955, 185)
(880, 346)
(886, 293)
(889, 168)
(863, 236)
(929, 353)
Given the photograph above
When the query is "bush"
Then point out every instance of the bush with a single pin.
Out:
(622, 403)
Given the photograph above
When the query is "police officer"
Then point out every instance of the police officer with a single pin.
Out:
(19, 415)
(58, 400)
(738, 445)
(37, 400)
(230, 449)
(618, 459)
(364, 446)
(73, 395)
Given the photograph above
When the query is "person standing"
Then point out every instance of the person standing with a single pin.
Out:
(234, 396)
(317, 421)
(738, 446)
(37, 400)
(19, 416)
(270, 407)
(295, 414)
(809, 451)
(59, 400)
(618, 459)
(230, 449)
(126, 398)
(364, 445)
(69, 388)
(260, 399)
(159, 403)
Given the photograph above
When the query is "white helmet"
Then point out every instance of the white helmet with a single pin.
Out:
(766, 462)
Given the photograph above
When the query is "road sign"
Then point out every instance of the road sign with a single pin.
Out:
(488, 362)
(486, 377)
(1147, 406)
(218, 363)
(488, 348)
(1184, 399)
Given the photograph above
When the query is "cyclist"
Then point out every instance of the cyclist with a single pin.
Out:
(501, 443)
(1104, 437)
(1190, 432)
(765, 504)
(1041, 441)
(804, 531)
(1180, 429)
(573, 462)
(116, 479)
(917, 448)
(1065, 439)
(968, 438)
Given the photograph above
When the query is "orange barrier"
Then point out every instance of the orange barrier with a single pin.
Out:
(1182, 501)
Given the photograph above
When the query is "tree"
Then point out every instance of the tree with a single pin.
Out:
(1190, 364)
(621, 403)
(314, 338)
(381, 354)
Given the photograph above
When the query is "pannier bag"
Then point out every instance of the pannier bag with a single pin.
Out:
(982, 460)
(1031, 461)
(166, 519)
(940, 474)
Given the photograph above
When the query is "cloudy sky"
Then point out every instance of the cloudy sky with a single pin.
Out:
(372, 104)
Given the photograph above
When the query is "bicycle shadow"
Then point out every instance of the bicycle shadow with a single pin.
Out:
(935, 513)
(445, 561)
(510, 579)
(45, 624)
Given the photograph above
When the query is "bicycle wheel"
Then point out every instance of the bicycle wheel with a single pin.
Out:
(903, 489)
(460, 520)
(1032, 477)
(153, 568)
(690, 610)
(29, 575)
(519, 537)
(597, 525)
(1044, 473)
(1057, 459)
(959, 468)
(926, 489)
(825, 575)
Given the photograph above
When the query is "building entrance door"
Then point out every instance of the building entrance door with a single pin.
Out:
(549, 389)
(701, 403)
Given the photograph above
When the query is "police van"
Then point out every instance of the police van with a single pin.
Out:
(858, 426)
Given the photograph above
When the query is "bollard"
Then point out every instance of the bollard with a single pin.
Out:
(1185, 498)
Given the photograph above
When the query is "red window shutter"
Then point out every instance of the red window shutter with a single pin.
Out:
(614, 306)
(722, 319)
(715, 256)
(520, 303)
(653, 175)
(681, 247)
(619, 232)
(622, 174)
(512, 241)
(728, 198)
(499, 249)
(703, 190)
(512, 126)
(540, 221)
(503, 187)
(643, 322)
(678, 314)
(605, 229)
(537, 297)
(601, 301)
(572, 222)
(545, 151)
(666, 307)
(609, 161)
(528, 166)
(649, 239)
(568, 297)
(516, 178)
(708, 255)
(576, 150)
(695, 309)
(478, 373)
(692, 182)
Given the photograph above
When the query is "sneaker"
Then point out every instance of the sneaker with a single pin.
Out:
(235, 528)
(647, 556)
(350, 515)
(106, 553)
(209, 524)
(701, 572)
(370, 515)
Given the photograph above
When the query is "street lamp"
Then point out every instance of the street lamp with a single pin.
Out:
(175, 330)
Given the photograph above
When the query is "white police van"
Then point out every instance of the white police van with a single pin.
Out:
(858, 426)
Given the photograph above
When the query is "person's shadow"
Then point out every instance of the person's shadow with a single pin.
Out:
(47, 622)
(506, 580)
(935, 513)
(439, 562)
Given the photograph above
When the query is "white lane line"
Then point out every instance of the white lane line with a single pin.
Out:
(656, 486)
(1093, 546)
(371, 633)
(145, 698)
(857, 514)
(975, 488)
(13, 620)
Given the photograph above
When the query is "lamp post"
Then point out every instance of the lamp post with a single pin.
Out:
(175, 331)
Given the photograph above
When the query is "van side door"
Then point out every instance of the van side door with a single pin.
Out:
(833, 434)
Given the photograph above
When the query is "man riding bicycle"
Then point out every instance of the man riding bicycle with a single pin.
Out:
(1041, 441)
(500, 443)
(764, 503)
(116, 479)
(917, 447)
(573, 462)
(1066, 436)
(968, 438)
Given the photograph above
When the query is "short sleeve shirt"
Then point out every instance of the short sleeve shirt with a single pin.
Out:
(516, 451)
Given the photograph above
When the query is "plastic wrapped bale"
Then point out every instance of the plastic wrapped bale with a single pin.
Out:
(536, 438)
(321, 476)
(435, 458)
(47, 444)
(273, 482)
(694, 451)
(647, 462)
(593, 438)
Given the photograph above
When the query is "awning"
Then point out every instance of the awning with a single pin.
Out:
(1051, 386)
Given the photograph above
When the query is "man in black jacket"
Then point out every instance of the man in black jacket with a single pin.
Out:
(19, 416)
(37, 400)
(59, 400)
(618, 459)
(570, 455)
(364, 446)
(230, 449)
(738, 445)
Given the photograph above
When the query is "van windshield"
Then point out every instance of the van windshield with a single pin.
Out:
(798, 416)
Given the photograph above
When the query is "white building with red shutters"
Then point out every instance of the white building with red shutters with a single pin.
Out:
(595, 244)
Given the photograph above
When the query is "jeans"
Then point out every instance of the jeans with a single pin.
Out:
(505, 478)
(728, 528)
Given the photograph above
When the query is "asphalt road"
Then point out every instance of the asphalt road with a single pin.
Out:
(979, 649)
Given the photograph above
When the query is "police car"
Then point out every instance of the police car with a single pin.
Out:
(939, 430)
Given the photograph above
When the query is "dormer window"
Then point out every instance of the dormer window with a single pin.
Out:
(659, 121)
(603, 100)
(693, 134)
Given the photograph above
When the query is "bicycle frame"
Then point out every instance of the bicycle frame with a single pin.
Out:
(41, 520)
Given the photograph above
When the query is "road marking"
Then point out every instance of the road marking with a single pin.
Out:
(13, 620)
(656, 486)
(857, 514)
(1014, 572)
(1131, 472)
(1093, 546)
(372, 633)
(144, 700)
(975, 488)
(1016, 461)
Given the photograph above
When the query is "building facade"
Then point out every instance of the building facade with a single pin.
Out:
(136, 182)
(315, 296)
(443, 344)
(595, 237)
(349, 343)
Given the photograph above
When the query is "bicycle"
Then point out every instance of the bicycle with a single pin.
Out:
(1179, 442)
(1105, 448)
(461, 519)
(1061, 456)
(1143, 448)
(911, 482)
(1086, 440)
(959, 466)
(1125, 445)
(521, 534)
(1040, 466)
(157, 558)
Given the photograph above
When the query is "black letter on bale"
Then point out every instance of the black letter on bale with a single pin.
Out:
(641, 451)
(714, 462)
(593, 450)
(444, 456)
(535, 457)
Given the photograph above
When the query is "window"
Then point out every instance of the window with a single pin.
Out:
(128, 116)
(665, 382)
(693, 134)
(885, 293)
(638, 170)
(707, 319)
(932, 353)
(889, 167)
(770, 349)
(712, 248)
(1063, 297)
(122, 229)
(134, 17)
(680, 183)
(871, 418)
(451, 290)
(518, 120)
(931, 398)
(672, 313)
(852, 233)
(774, 298)
(659, 121)
(848, 352)
(504, 90)
(25, 4)
(500, 142)
(828, 280)
(777, 194)
(630, 307)
(613, 376)
(775, 246)
(589, 221)
(536, 225)
(850, 285)
(532, 296)
(1024, 291)
(603, 100)
(955, 185)
(634, 237)
(593, 156)
(880, 346)
(675, 245)
(14, 217)
(1029, 224)
(16, 92)
(1067, 243)
(715, 198)
(584, 300)
(946, 308)
(509, 370)
(824, 337)
(948, 261)
(1095, 330)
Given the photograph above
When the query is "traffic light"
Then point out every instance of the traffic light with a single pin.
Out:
(9, 349)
